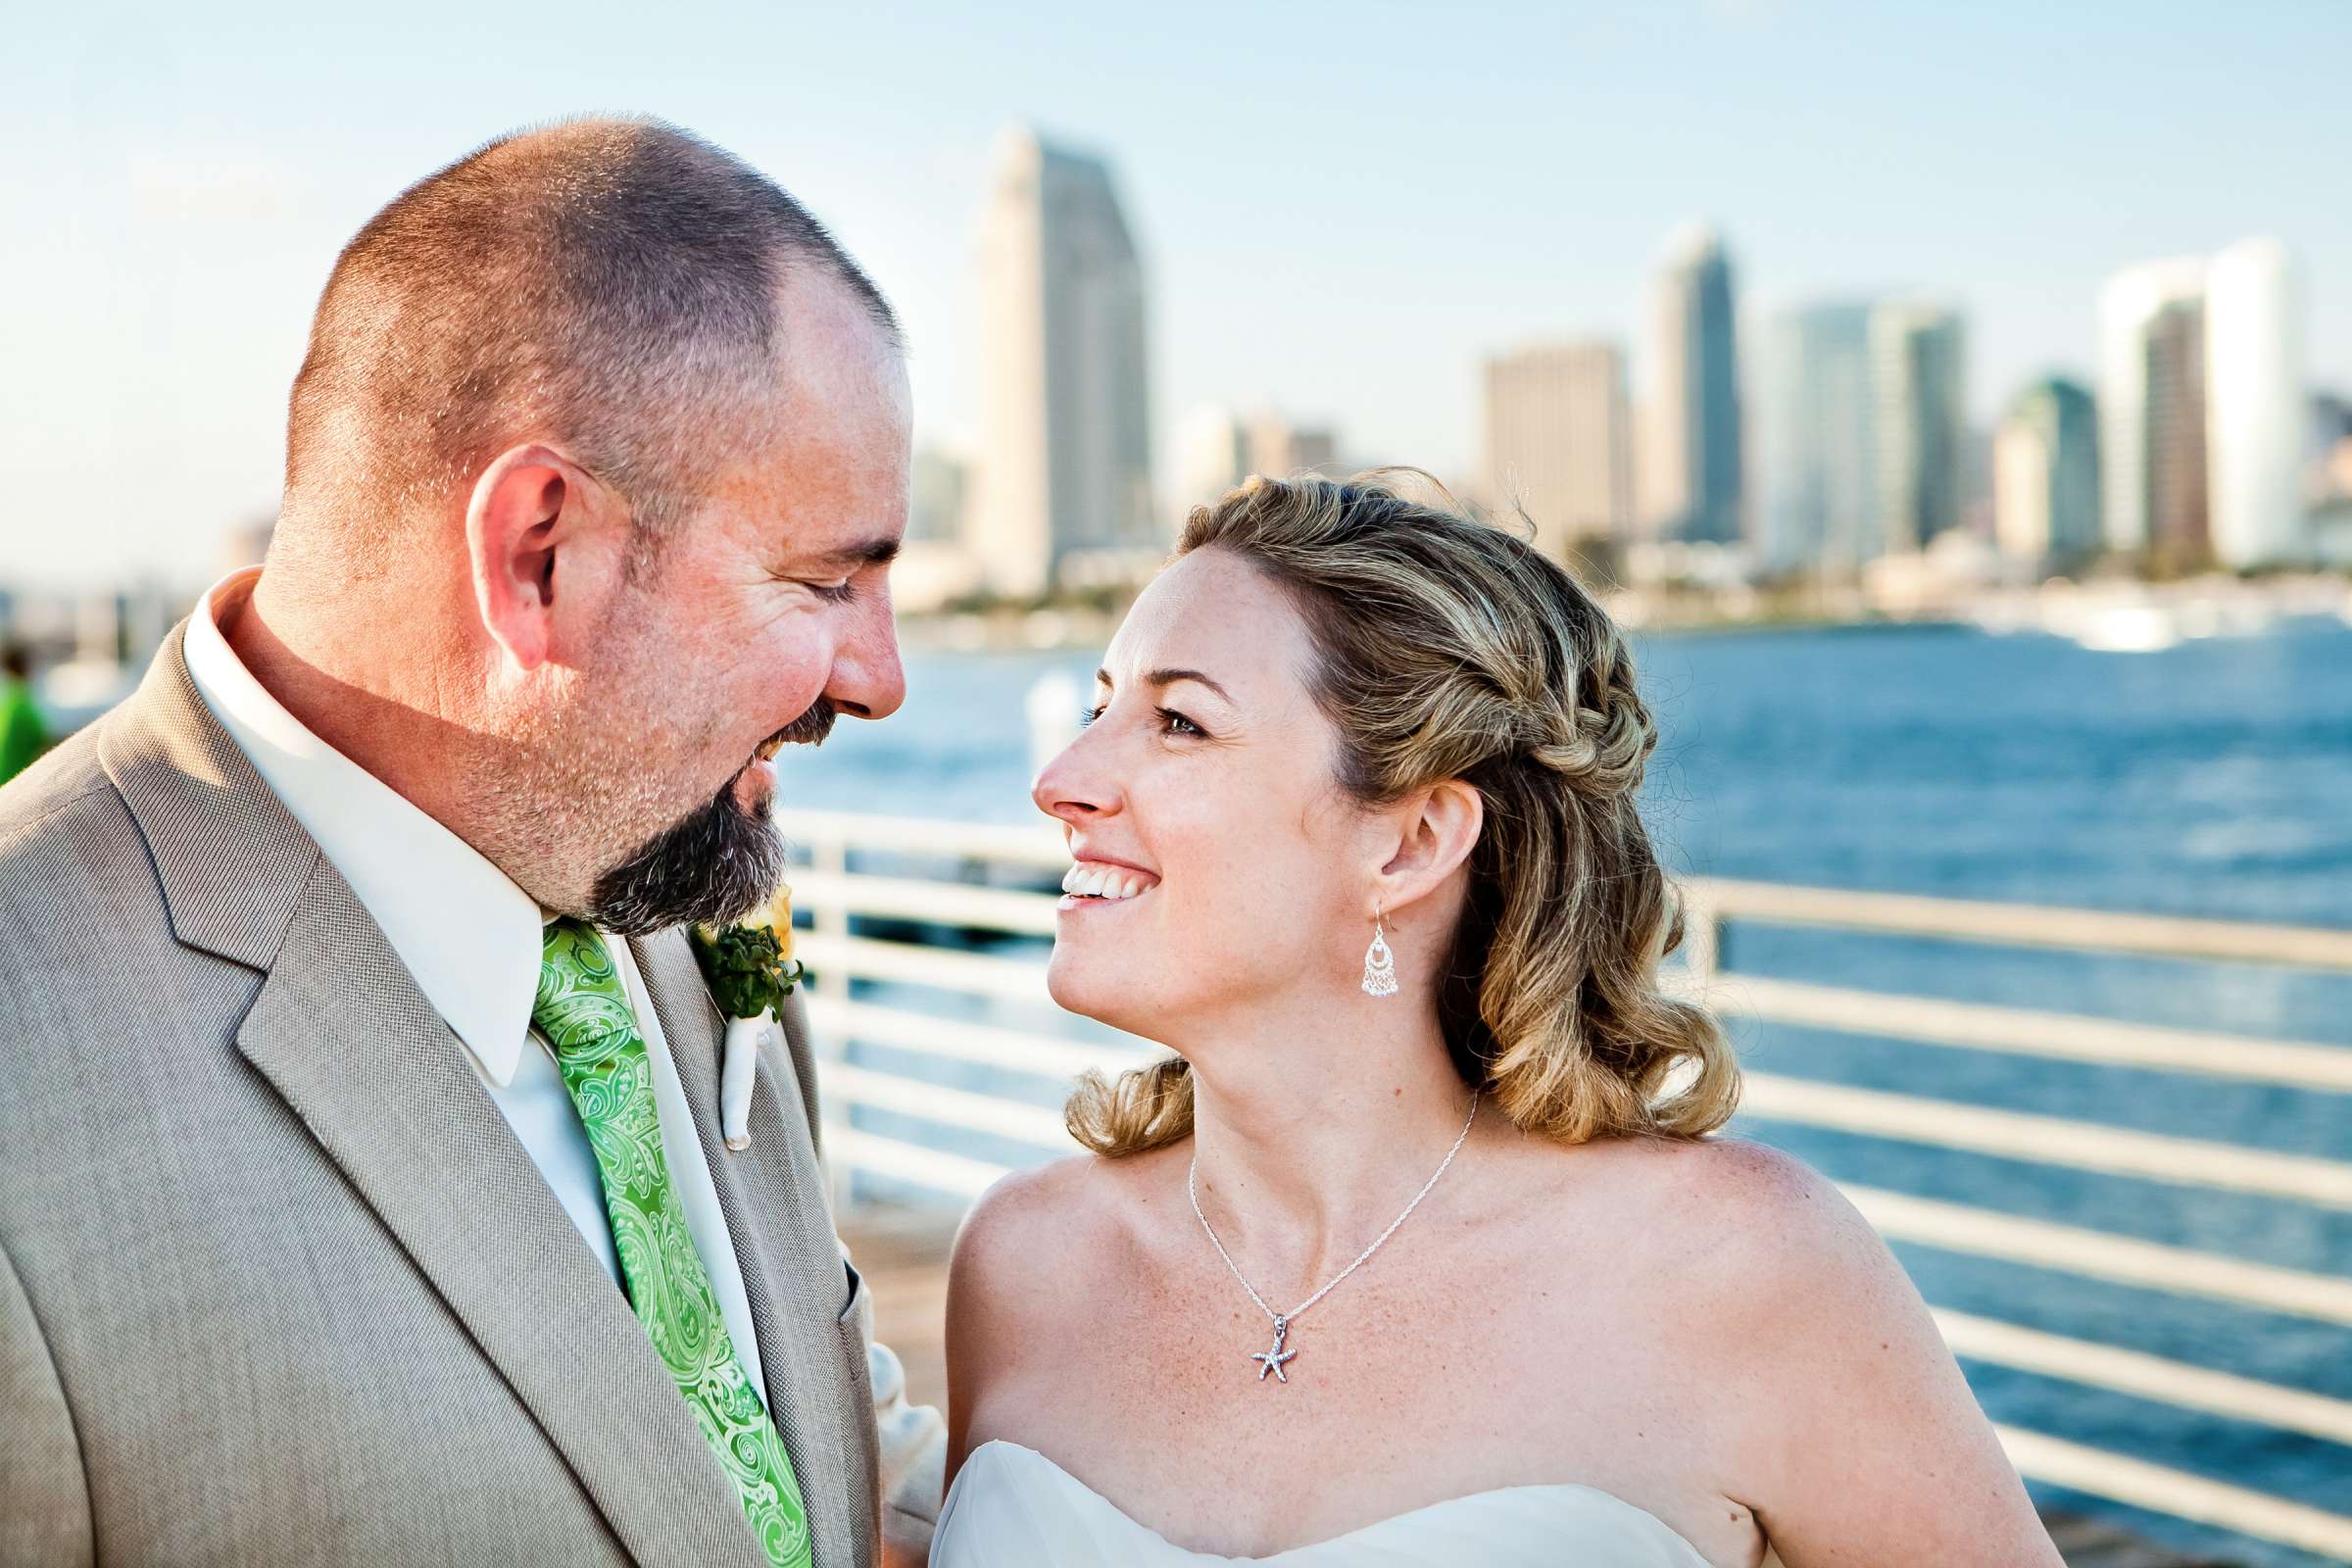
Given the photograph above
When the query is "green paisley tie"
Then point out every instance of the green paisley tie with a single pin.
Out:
(584, 1012)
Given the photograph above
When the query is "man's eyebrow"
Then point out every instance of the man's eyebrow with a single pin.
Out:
(848, 557)
(1169, 677)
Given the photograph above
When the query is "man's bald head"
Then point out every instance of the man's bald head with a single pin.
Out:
(609, 285)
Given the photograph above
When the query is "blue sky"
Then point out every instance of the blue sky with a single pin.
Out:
(1341, 207)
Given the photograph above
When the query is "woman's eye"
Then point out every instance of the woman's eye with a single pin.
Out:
(1086, 715)
(1177, 723)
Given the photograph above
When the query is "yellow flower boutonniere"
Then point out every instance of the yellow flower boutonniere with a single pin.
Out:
(750, 969)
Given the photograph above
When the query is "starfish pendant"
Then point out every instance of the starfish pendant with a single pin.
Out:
(1272, 1360)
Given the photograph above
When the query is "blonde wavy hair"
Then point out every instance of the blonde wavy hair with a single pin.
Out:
(1447, 648)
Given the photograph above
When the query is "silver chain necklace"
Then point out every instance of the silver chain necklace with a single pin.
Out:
(1272, 1360)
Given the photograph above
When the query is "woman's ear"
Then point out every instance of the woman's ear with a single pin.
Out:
(1437, 830)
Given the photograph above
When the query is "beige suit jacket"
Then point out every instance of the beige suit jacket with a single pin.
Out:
(277, 1282)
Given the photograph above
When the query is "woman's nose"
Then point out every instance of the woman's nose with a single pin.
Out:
(1075, 786)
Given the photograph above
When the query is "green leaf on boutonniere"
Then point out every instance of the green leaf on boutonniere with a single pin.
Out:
(746, 970)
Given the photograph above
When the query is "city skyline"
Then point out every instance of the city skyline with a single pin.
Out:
(1349, 259)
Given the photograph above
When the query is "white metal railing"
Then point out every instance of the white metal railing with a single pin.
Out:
(963, 896)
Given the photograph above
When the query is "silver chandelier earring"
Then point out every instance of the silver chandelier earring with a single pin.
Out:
(1380, 965)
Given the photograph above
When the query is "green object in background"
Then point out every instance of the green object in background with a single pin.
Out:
(23, 734)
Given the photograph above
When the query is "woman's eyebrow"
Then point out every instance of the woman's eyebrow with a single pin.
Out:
(1169, 677)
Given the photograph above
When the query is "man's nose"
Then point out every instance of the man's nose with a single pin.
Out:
(870, 679)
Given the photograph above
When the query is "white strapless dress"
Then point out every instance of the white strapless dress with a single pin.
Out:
(1012, 1507)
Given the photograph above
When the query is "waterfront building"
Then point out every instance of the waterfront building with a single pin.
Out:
(2046, 475)
(1064, 485)
(1918, 366)
(1558, 442)
(1688, 474)
(1817, 440)
(2149, 446)
(2203, 418)
(2255, 408)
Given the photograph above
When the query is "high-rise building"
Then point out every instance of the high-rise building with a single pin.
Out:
(2202, 416)
(1817, 441)
(1689, 476)
(2135, 306)
(1918, 359)
(1064, 471)
(1557, 441)
(2173, 461)
(2046, 475)
(2255, 408)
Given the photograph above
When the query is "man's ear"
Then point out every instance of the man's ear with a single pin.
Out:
(1436, 832)
(533, 538)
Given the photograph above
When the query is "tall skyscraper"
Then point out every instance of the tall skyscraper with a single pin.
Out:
(2255, 408)
(1818, 440)
(1064, 471)
(1918, 356)
(2046, 475)
(2201, 405)
(2172, 462)
(1688, 473)
(1558, 442)
(2137, 307)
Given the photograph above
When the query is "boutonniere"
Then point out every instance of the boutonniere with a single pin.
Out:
(750, 969)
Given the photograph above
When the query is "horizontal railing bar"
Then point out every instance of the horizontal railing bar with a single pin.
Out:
(1993, 923)
(2021, 925)
(1929, 1021)
(868, 959)
(955, 1108)
(2020, 1031)
(2162, 1490)
(1040, 846)
(2050, 1140)
(946, 902)
(900, 1160)
(2097, 1254)
(1899, 1216)
(2003, 1133)
(2147, 1377)
(1010, 1049)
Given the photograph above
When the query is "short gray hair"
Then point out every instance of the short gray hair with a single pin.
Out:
(608, 283)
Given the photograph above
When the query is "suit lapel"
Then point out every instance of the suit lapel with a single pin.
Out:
(358, 1053)
(773, 1196)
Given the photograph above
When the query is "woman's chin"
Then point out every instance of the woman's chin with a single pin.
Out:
(1083, 985)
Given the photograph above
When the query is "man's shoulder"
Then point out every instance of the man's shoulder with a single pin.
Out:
(68, 775)
(75, 875)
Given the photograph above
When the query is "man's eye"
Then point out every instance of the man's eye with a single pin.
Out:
(835, 593)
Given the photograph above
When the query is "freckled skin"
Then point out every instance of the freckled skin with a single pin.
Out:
(1672, 1323)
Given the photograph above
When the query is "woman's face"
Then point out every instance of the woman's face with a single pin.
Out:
(1218, 863)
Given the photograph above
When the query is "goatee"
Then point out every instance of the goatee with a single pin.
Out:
(713, 867)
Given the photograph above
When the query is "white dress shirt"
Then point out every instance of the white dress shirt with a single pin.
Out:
(472, 938)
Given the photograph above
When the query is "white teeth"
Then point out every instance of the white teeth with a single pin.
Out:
(1102, 882)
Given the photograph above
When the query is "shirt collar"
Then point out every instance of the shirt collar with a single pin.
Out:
(468, 935)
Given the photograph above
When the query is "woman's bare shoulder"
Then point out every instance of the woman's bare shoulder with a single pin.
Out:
(1036, 1234)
